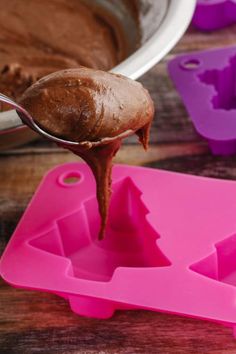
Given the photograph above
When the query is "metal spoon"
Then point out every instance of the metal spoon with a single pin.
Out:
(28, 120)
(72, 145)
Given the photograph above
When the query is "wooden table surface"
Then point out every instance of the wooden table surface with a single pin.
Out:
(32, 322)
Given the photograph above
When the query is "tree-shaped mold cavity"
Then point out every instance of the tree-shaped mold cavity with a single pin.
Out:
(221, 264)
(224, 83)
(130, 240)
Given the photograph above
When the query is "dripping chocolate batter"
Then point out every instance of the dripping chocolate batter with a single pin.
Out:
(96, 109)
(38, 37)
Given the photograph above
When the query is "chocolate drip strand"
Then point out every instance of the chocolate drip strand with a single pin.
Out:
(99, 159)
(143, 135)
(70, 103)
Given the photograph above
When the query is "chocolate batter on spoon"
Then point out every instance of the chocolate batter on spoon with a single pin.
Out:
(96, 109)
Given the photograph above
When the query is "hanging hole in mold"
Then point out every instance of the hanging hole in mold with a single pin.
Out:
(221, 264)
(130, 240)
(190, 64)
(224, 84)
(70, 178)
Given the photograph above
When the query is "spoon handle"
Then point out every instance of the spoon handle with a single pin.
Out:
(9, 120)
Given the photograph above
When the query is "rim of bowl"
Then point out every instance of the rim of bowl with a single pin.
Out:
(173, 26)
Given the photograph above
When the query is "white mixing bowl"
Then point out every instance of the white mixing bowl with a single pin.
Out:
(165, 21)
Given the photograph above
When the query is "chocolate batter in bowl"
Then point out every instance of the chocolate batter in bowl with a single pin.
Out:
(38, 37)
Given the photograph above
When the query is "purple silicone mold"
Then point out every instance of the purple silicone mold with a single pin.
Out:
(214, 14)
(206, 82)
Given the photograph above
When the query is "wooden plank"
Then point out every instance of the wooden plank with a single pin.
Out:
(42, 323)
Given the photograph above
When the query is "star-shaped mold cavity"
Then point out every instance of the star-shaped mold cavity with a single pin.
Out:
(224, 83)
(221, 264)
(130, 240)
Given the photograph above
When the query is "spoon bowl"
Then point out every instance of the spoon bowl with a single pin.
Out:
(28, 120)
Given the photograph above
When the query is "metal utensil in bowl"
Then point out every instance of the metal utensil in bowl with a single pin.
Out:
(28, 120)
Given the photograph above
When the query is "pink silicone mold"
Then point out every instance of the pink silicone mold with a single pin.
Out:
(206, 82)
(170, 244)
(214, 14)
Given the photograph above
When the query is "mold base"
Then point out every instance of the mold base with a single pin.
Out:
(176, 216)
